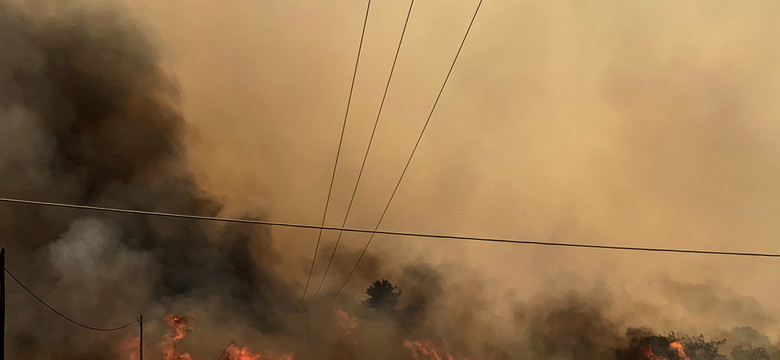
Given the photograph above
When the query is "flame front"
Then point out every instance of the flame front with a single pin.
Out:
(180, 325)
(426, 350)
(649, 353)
(676, 347)
(234, 352)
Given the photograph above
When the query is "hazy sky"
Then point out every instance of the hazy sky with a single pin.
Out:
(611, 122)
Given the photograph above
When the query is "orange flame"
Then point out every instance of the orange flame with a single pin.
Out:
(675, 346)
(649, 353)
(234, 352)
(180, 325)
(422, 350)
(680, 351)
(130, 346)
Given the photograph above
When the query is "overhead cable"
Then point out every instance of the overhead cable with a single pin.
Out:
(338, 153)
(386, 232)
(63, 315)
(368, 148)
(414, 150)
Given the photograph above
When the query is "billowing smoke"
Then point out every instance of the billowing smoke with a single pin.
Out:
(88, 115)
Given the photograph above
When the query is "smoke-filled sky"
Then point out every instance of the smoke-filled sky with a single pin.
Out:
(615, 123)
(622, 123)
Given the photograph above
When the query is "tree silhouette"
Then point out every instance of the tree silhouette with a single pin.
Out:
(382, 295)
(746, 351)
(697, 348)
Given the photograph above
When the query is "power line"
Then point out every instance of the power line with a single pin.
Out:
(338, 152)
(414, 150)
(368, 148)
(387, 232)
(63, 315)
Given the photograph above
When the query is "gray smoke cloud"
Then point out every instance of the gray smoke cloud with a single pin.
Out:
(89, 115)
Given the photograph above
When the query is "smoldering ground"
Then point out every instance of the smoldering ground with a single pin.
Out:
(90, 116)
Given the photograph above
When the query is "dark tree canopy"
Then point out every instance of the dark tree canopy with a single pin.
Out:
(382, 295)
(697, 348)
(746, 351)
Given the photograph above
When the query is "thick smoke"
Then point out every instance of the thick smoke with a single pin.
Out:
(89, 116)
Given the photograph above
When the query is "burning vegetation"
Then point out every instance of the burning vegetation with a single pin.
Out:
(383, 299)
(180, 325)
(683, 347)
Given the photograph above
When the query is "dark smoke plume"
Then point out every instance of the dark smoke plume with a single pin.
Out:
(89, 117)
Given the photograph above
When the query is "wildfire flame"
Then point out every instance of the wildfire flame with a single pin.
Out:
(674, 346)
(679, 348)
(180, 325)
(234, 352)
(130, 346)
(422, 350)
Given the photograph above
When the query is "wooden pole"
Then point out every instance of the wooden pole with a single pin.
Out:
(2, 304)
(308, 337)
(140, 338)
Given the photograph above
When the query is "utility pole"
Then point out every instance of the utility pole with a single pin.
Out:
(140, 338)
(308, 336)
(2, 304)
